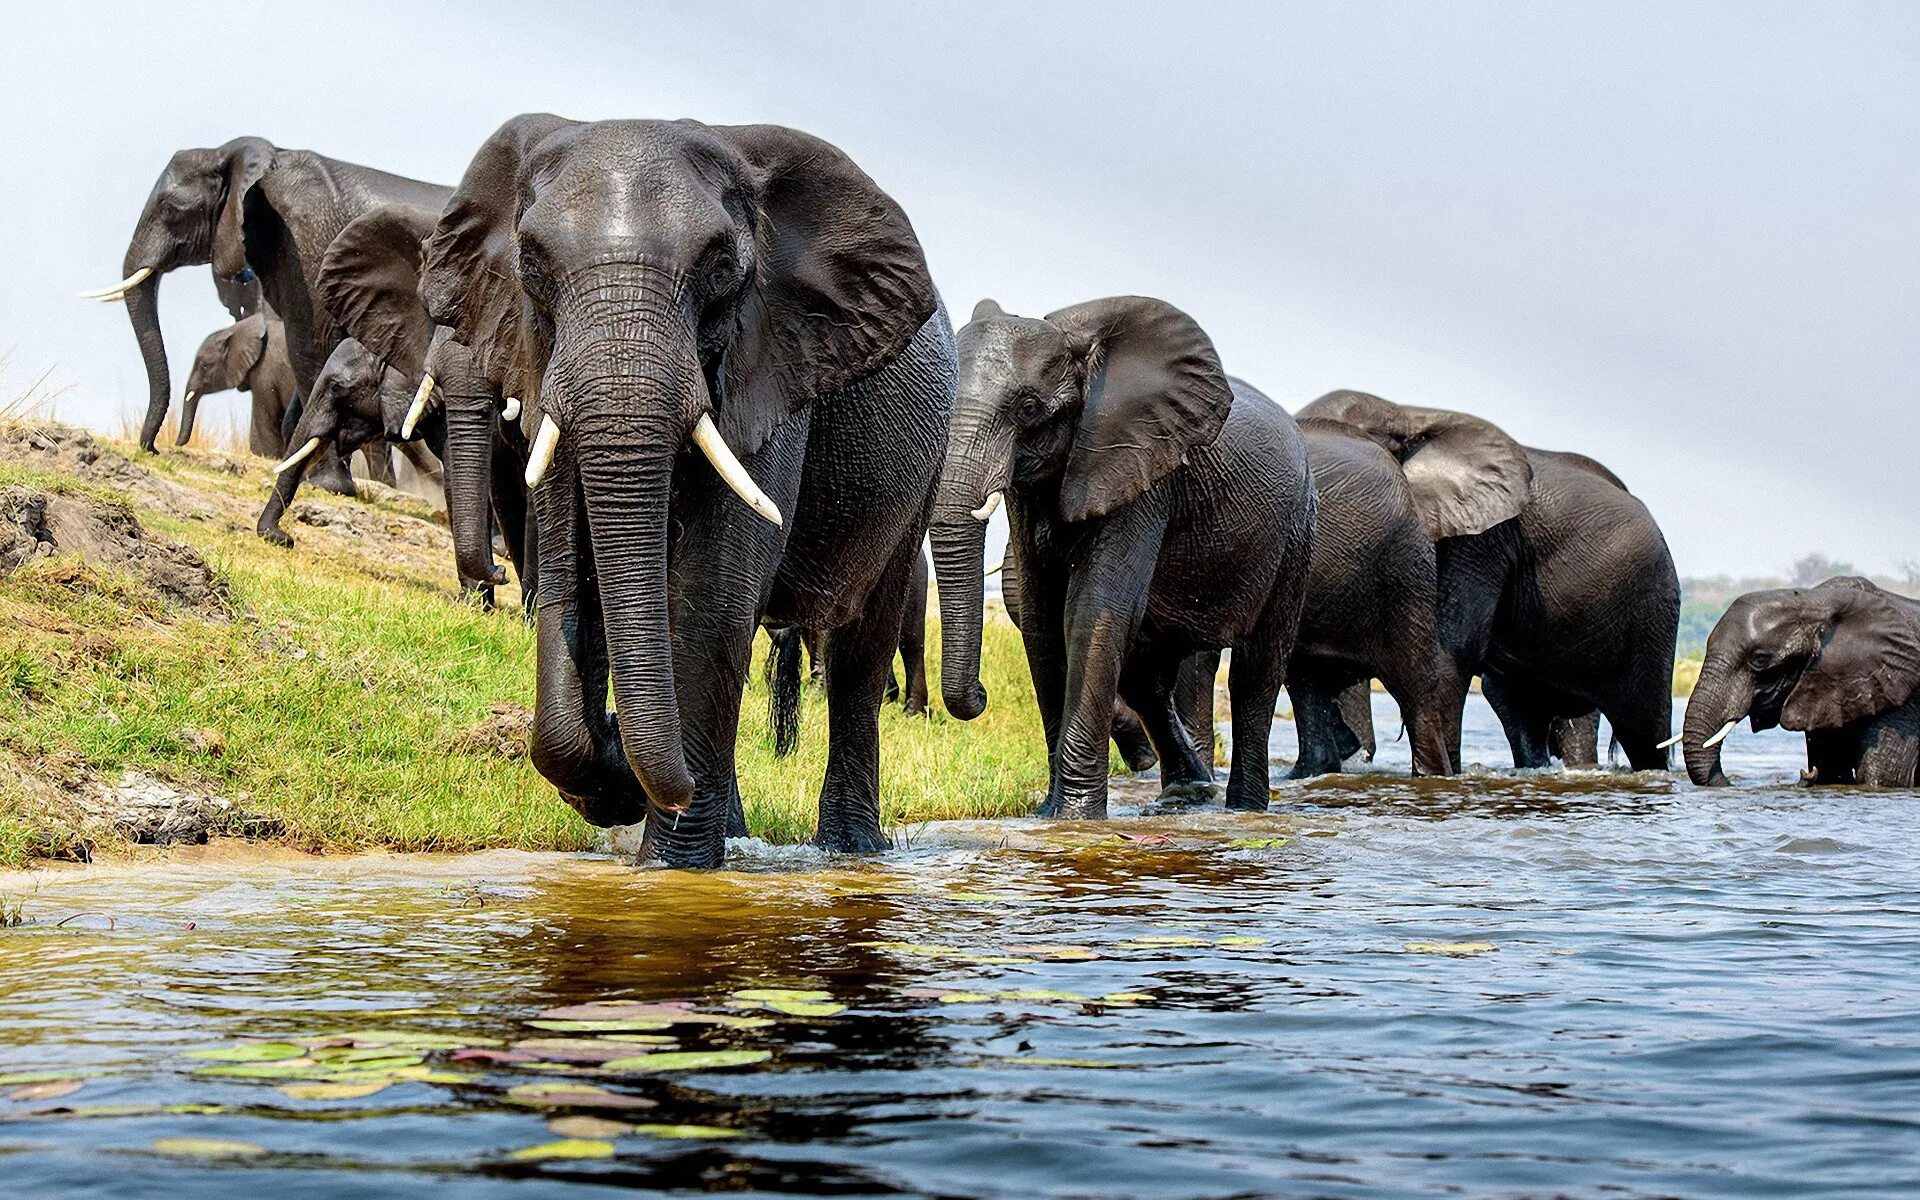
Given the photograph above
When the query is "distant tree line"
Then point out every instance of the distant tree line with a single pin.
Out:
(1704, 599)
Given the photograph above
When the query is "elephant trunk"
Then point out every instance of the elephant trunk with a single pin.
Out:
(468, 473)
(1723, 694)
(959, 547)
(189, 413)
(143, 309)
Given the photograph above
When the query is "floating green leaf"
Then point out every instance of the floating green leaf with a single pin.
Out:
(589, 1127)
(567, 1148)
(778, 995)
(690, 1060)
(805, 1008)
(334, 1091)
(966, 997)
(609, 1026)
(20, 1077)
(194, 1110)
(109, 1110)
(1240, 940)
(1258, 843)
(186, 1147)
(297, 1068)
(251, 1052)
(1166, 940)
(1454, 948)
(574, 1095)
(1129, 998)
(686, 1131)
(642, 1039)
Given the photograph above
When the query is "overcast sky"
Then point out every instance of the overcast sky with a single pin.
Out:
(1683, 240)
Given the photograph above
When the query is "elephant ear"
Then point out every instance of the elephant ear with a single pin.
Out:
(246, 161)
(1155, 390)
(1868, 661)
(246, 342)
(470, 278)
(1467, 475)
(840, 282)
(370, 282)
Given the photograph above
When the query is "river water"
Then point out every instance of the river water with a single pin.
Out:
(1552, 984)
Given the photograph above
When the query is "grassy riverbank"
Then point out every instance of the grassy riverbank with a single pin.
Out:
(346, 699)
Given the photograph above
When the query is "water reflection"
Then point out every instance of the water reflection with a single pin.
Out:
(1511, 983)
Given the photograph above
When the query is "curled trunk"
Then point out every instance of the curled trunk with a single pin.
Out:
(1723, 693)
(468, 466)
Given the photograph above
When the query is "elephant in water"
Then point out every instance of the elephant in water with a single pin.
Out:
(1157, 509)
(256, 212)
(1555, 584)
(249, 355)
(744, 378)
(1839, 661)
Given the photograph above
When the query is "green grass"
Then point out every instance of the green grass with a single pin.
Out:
(338, 688)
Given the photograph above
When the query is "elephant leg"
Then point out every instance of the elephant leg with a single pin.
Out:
(736, 813)
(284, 487)
(263, 430)
(1130, 739)
(1149, 683)
(1417, 702)
(1831, 755)
(859, 658)
(1193, 701)
(511, 514)
(1355, 705)
(913, 651)
(1890, 747)
(1641, 719)
(1522, 714)
(1575, 741)
(1254, 677)
(424, 462)
(379, 459)
(1043, 632)
(1317, 723)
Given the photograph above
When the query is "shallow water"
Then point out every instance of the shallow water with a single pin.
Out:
(1684, 993)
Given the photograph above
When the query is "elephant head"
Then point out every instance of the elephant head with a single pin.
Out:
(355, 398)
(644, 284)
(195, 214)
(1802, 658)
(1084, 410)
(224, 361)
(1467, 475)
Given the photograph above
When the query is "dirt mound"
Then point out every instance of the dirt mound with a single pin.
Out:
(502, 735)
(76, 453)
(365, 522)
(36, 524)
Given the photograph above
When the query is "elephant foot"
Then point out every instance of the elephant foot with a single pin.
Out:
(862, 839)
(1081, 808)
(736, 816)
(1140, 759)
(1188, 794)
(661, 846)
(275, 535)
(1309, 768)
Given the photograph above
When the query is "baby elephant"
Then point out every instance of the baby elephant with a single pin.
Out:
(251, 355)
(1839, 661)
(1157, 509)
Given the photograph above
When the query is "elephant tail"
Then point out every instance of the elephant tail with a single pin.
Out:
(783, 690)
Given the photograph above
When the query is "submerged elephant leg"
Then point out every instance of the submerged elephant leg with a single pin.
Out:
(1575, 741)
(859, 658)
(1355, 704)
(1522, 714)
(1148, 683)
(1317, 723)
(1193, 702)
(1832, 755)
(1890, 747)
(1254, 677)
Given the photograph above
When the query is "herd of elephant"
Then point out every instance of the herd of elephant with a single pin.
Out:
(699, 380)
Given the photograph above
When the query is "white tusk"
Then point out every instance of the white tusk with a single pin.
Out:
(1671, 742)
(297, 457)
(119, 290)
(987, 510)
(1717, 738)
(544, 444)
(188, 398)
(512, 410)
(706, 435)
(419, 408)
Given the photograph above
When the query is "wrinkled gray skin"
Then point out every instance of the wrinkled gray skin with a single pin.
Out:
(1371, 610)
(249, 205)
(1839, 661)
(1555, 583)
(627, 278)
(249, 355)
(356, 401)
(1157, 510)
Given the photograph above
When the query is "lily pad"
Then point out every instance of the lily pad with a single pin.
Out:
(194, 1110)
(105, 1110)
(334, 1091)
(965, 997)
(1452, 948)
(1258, 843)
(690, 1060)
(20, 1077)
(251, 1052)
(294, 1068)
(576, 1050)
(657, 1016)
(608, 1026)
(805, 1008)
(564, 1149)
(642, 1039)
(776, 995)
(1240, 940)
(1129, 998)
(186, 1147)
(574, 1095)
(1058, 953)
(589, 1127)
(1166, 940)
(686, 1131)
(53, 1089)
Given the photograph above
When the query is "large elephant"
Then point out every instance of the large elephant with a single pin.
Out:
(1839, 661)
(1157, 509)
(1372, 609)
(700, 316)
(1555, 584)
(369, 286)
(249, 355)
(253, 210)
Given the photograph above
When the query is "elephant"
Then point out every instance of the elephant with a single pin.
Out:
(368, 284)
(1839, 661)
(1157, 509)
(783, 666)
(255, 212)
(1555, 584)
(249, 355)
(1372, 609)
(356, 401)
(743, 378)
